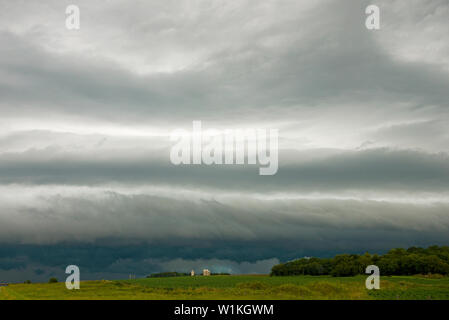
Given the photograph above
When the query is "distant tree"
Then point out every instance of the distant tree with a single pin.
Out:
(397, 252)
(375, 258)
(364, 261)
(53, 280)
(314, 269)
(345, 265)
(416, 250)
(433, 264)
(388, 265)
(27, 281)
(167, 274)
(397, 261)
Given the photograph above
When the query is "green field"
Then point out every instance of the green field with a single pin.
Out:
(237, 287)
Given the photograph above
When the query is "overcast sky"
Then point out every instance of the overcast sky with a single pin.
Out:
(86, 115)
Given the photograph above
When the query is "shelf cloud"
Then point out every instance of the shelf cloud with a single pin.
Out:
(86, 117)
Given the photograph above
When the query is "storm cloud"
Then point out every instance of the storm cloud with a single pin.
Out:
(86, 116)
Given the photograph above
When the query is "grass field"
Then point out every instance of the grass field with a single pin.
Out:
(237, 287)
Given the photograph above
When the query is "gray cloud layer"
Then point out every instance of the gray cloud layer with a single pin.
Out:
(86, 116)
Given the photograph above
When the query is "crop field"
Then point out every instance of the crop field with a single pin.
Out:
(237, 287)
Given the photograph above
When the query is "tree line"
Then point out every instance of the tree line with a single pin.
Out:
(182, 274)
(399, 261)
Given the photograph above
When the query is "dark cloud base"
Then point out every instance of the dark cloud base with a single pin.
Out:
(106, 259)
